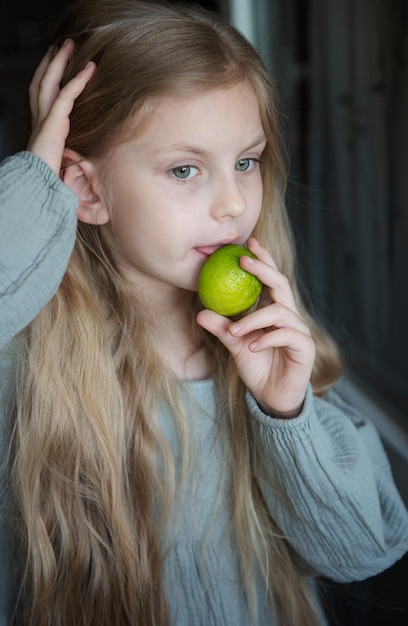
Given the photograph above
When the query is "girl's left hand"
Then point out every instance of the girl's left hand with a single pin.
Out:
(272, 346)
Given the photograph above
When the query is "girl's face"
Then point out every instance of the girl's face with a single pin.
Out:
(189, 183)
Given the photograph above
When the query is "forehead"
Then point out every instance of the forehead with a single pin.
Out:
(231, 112)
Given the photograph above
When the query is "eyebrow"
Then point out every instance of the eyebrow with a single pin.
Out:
(201, 151)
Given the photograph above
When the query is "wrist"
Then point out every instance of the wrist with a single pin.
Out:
(282, 414)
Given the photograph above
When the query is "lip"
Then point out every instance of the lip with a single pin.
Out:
(207, 250)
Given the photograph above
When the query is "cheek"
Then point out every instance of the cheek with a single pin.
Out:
(256, 201)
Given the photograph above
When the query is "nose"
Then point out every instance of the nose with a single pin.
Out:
(228, 200)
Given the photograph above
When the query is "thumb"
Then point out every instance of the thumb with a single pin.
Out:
(219, 326)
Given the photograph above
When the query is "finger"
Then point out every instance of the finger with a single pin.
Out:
(65, 100)
(275, 315)
(298, 346)
(48, 141)
(49, 84)
(260, 252)
(219, 327)
(63, 103)
(213, 322)
(36, 79)
(278, 285)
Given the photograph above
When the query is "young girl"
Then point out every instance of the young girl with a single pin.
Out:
(164, 464)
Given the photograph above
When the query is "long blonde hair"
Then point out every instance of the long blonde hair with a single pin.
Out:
(86, 447)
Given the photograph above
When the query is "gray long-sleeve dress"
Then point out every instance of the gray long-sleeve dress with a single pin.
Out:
(341, 513)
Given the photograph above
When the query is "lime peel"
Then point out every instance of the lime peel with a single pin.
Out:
(223, 286)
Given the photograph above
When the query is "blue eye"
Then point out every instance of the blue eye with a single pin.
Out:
(184, 171)
(242, 165)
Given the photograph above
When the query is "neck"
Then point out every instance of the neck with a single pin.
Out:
(180, 347)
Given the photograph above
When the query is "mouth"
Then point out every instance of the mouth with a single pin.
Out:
(207, 251)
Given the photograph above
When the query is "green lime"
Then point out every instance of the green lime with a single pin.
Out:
(223, 286)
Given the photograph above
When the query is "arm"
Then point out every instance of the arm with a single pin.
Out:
(330, 489)
(37, 215)
(37, 234)
(322, 469)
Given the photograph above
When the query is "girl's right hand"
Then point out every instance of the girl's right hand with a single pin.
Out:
(51, 105)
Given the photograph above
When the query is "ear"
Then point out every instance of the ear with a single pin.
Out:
(81, 176)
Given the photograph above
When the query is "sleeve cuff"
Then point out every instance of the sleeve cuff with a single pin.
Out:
(279, 422)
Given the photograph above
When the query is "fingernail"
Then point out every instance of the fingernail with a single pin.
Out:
(250, 260)
(253, 345)
(66, 43)
(234, 329)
